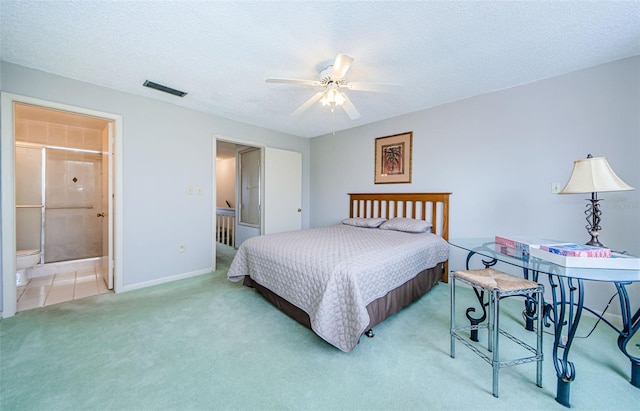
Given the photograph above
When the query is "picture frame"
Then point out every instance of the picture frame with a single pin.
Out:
(393, 159)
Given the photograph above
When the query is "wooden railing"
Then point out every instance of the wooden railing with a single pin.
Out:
(225, 227)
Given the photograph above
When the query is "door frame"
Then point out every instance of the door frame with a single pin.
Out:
(214, 195)
(7, 189)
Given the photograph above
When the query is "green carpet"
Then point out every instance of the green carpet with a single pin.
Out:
(205, 343)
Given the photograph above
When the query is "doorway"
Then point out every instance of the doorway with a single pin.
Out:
(73, 223)
(237, 204)
(277, 181)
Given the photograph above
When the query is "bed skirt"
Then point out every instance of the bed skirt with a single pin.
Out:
(379, 309)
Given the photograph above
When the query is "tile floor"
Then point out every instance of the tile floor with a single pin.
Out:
(60, 287)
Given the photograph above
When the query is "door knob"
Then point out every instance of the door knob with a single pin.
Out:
(100, 215)
(299, 210)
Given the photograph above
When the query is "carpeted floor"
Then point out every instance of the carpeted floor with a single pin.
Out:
(205, 343)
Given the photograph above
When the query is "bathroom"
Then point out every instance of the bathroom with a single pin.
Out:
(62, 192)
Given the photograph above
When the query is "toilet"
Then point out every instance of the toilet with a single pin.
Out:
(25, 259)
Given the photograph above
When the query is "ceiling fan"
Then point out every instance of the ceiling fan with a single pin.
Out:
(332, 80)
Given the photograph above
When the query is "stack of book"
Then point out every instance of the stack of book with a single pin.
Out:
(565, 254)
(577, 250)
(519, 246)
(577, 256)
(512, 252)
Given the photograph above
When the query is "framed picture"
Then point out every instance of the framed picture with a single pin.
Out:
(393, 159)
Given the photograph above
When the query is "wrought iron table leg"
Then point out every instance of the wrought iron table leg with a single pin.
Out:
(630, 325)
(635, 373)
(568, 301)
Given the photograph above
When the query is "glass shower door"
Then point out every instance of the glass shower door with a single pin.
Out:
(29, 198)
(73, 223)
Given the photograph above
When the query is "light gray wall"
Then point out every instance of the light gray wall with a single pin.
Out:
(1, 228)
(499, 153)
(165, 149)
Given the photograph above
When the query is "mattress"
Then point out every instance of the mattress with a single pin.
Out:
(334, 273)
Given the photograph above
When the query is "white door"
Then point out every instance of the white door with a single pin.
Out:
(282, 190)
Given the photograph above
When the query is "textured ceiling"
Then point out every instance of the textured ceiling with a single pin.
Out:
(222, 52)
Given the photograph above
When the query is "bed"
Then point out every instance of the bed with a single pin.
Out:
(343, 279)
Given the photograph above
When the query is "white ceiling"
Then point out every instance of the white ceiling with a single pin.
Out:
(222, 52)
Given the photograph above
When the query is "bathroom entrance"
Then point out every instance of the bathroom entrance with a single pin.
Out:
(11, 125)
(62, 171)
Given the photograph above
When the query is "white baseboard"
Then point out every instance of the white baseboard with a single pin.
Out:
(163, 280)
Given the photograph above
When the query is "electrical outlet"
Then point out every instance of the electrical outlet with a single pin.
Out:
(181, 248)
(555, 188)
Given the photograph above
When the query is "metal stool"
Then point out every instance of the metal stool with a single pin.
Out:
(497, 285)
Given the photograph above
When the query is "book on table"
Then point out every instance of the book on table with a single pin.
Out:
(511, 252)
(577, 250)
(617, 261)
(523, 243)
(563, 253)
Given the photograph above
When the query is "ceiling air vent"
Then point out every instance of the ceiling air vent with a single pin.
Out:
(166, 89)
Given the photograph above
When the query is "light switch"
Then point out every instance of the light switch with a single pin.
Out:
(189, 190)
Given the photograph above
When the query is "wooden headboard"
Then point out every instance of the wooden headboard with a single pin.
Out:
(423, 206)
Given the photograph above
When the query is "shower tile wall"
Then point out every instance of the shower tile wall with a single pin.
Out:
(42, 132)
(74, 194)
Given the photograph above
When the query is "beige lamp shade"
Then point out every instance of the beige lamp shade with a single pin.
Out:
(593, 174)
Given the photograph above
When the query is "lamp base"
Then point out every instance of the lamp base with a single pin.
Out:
(593, 214)
(594, 242)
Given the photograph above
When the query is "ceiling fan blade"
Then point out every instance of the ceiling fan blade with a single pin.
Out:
(341, 65)
(293, 81)
(375, 87)
(308, 103)
(349, 108)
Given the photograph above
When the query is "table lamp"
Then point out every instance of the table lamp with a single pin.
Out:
(592, 175)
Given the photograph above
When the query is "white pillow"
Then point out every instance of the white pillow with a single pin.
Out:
(364, 222)
(408, 225)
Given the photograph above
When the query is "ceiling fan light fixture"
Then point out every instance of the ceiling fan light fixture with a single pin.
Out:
(332, 79)
(331, 97)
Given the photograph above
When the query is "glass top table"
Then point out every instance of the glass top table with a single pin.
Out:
(565, 309)
(486, 247)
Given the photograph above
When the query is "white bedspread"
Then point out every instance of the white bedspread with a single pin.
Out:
(333, 272)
